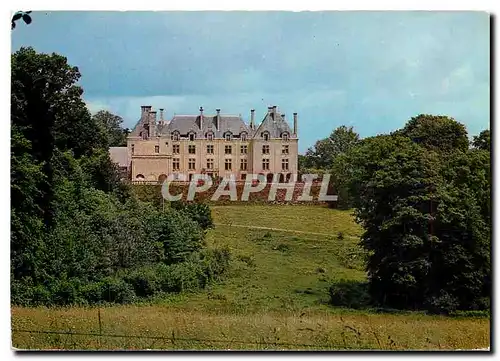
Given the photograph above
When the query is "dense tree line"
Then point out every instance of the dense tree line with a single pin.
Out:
(78, 234)
(422, 195)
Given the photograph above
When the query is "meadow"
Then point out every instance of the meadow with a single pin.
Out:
(275, 297)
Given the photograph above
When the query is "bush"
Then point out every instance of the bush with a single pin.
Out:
(116, 290)
(200, 213)
(350, 294)
(144, 281)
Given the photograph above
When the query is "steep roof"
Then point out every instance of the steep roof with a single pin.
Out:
(191, 123)
(275, 124)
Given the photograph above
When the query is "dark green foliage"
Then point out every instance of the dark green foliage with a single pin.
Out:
(482, 141)
(439, 133)
(423, 199)
(110, 126)
(79, 235)
(199, 212)
(324, 152)
(351, 294)
(329, 155)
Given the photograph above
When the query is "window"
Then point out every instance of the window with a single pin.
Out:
(265, 135)
(192, 136)
(166, 143)
(192, 164)
(228, 149)
(284, 164)
(265, 164)
(243, 137)
(157, 149)
(210, 164)
(210, 149)
(284, 136)
(284, 149)
(243, 164)
(244, 149)
(176, 164)
(190, 177)
(176, 149)
(228, 136)
(210, 136)
(243, 176)
(228, 164)
(132, 149)
(192, 149)
(265, 149)
(175, 136)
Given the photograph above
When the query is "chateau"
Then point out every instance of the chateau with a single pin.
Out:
(218, 145)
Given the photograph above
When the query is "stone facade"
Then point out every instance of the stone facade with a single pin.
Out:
(218, 145)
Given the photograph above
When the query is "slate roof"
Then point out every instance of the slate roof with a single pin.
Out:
(119, 155)
(273, 122)
(191, 123)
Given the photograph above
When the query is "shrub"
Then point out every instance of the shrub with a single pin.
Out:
(116, 290)
(144, 281)
(350, 294)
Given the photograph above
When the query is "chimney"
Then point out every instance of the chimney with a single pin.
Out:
(145, 109)
(161, 115)
(217, 119)
(295, 123)
(201, 117)
(252, 118)
(152, 122)
(273, 113)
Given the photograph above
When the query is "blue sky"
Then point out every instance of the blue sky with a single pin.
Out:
(369, 70)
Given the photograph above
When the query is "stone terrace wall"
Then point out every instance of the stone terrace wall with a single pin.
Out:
(152, 192)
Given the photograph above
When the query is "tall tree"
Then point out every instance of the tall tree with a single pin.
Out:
(436, 132)
(111, 125)
(482, 141)
(426, 222)
(324, 152)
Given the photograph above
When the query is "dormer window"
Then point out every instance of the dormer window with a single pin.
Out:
(175, 136)
(243, 137)
(285, 136)
(228, 136)
(192, 136)
(210, 136)
(265, 135)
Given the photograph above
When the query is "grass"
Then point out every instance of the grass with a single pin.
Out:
(275, 297)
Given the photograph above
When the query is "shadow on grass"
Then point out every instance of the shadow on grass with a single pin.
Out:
(354, 295)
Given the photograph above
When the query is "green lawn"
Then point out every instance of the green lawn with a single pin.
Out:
(274, 297)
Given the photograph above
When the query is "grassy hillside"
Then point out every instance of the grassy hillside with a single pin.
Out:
(275, 297)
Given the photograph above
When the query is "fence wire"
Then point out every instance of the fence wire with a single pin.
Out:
(173, 339)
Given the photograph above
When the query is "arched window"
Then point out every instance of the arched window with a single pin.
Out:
(192, 136)
(228, 136)
(175, 136)
(243, 137)
(210, 136)
(139, 177)
(285, 136)
(265, 135)
(162, 178)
